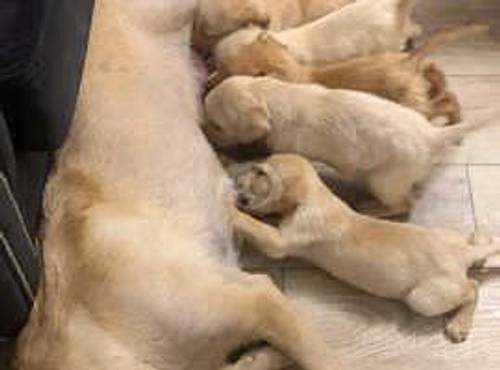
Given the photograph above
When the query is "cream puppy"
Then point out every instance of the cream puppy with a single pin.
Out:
(389, 147)
(216, 19)
(403, 77)
(425, 268)
(139, 271)
(361, 28)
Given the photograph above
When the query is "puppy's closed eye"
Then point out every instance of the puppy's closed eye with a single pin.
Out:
(259, 171)
(261, 184)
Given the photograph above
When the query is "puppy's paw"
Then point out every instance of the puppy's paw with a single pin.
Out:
(457, 331)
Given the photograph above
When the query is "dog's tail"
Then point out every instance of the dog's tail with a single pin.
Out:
(445, 36)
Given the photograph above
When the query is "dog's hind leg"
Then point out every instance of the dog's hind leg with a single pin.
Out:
(263, 313)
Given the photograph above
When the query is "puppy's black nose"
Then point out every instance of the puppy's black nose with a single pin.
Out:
(243, 201)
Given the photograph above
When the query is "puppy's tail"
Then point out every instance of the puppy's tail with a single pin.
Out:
(445, 36)
(477, 254)
(443, 137)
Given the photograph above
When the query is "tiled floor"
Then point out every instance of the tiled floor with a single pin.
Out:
(463, 193)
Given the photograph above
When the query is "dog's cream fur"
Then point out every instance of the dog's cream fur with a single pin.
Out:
(425, 268)
(361, 28)
(218, 18)
(389, 147)
(138, 266)
(401, 77)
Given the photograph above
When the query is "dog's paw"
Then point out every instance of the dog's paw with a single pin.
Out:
(456, 331)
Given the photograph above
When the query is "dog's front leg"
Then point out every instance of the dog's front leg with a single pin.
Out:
(260, 235)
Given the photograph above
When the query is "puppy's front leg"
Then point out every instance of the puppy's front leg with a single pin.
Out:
(264, 237)
(266, 358)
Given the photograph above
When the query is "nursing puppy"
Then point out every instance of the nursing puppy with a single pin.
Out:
(216, 19)
(387, 146)
(398, 76)
(425, 268)
(361, 28)
(139, 271)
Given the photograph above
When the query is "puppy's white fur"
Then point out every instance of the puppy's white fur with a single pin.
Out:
(218, 18)
(389, 147)
(360, 28)
(425, 268)
(138, 267)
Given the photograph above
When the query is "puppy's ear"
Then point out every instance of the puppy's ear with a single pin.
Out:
(215, 79)
(259, 124)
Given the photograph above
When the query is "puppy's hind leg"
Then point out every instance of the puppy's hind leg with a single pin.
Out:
(442, 295)
(393, 188)
(458, 327)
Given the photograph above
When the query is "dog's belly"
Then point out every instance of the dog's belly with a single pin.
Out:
(116, 290)
(136, 128)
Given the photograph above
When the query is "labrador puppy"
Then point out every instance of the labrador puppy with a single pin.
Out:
(425, 268)
(139, 271)
(361, 28)
(387, 146)
(402, 77)
(216, 19)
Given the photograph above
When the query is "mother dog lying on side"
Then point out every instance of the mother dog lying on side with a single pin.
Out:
(138, 265)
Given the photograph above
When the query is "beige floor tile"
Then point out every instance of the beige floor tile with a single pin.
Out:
(470, 58)
(445, 200)
(485, 181)
(479, 96)
(372, 333)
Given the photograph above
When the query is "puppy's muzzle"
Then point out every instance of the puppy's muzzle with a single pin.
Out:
(242, 201)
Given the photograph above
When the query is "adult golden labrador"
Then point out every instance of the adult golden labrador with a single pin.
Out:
(139, 272)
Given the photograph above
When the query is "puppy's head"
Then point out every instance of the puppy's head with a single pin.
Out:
(276, 186)
(234, 114)
(263, 56)
(219, 18)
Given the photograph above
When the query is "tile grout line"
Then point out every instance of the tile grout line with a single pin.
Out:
(471, 196)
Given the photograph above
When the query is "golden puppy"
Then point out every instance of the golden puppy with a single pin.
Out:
(139, 270)
(425, 268)
(361, 28)
(389, 147)
(400, 77)
(216, 19)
